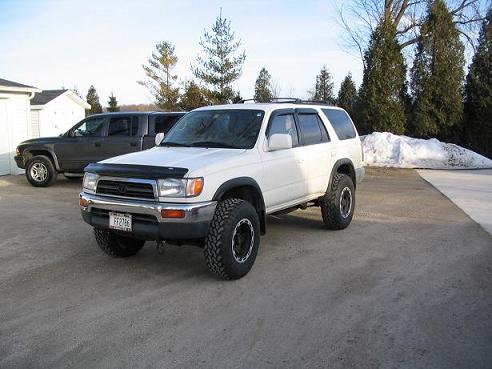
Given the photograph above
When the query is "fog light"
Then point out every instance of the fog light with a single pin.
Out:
(172, 213)
(83, 202)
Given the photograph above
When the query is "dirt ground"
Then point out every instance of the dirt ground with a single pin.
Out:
(407, 285)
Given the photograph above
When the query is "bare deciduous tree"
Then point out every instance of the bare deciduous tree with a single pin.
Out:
(361, 17)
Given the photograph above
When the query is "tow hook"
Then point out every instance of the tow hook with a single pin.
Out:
(160, 247)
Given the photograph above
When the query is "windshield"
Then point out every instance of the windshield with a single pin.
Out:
(236, 129)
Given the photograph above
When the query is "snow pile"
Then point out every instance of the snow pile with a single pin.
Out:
(384, 149)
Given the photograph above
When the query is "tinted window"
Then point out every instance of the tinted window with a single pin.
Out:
(312, 129)
(341, 123)
(217, 128)
(284, 124)
(90, 127)
(163, 124)
(123, 126)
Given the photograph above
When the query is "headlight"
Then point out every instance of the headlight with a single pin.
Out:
(17, 151)
(90, 180)
(174, 187)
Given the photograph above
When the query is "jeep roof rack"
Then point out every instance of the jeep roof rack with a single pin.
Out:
(286, 100)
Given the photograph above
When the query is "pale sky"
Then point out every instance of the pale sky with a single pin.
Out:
(54, 43)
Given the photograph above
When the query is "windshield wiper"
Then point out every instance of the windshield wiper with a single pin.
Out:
(177, 144)
(215, 144)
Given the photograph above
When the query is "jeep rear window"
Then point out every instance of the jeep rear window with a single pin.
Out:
(341, 123)
(236, 129)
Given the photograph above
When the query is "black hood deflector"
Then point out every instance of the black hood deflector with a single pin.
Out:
(135, 171)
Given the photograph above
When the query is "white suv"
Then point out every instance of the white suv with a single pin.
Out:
(217, 175)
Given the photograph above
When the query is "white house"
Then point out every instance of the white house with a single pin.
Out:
(54, 111)
(15, 121)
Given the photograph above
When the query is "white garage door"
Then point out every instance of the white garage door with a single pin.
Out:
(4, 140)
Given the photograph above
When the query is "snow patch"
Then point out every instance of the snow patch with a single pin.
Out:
(384, 149)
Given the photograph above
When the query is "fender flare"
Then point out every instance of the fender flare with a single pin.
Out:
(43, 148)
(337, 165)
(241, 182)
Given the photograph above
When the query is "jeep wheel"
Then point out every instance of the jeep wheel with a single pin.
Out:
(116, 245)
(233, 239)
(337, 205)
(40, 171)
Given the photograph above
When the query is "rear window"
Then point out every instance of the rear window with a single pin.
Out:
(123, 126)
(341, 123)
(312, 129)
(162, 124)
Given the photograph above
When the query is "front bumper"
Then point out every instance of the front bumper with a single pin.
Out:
(147, 221)
(19, 160)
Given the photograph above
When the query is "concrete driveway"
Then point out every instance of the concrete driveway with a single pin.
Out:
(407, 285)
(471, 190)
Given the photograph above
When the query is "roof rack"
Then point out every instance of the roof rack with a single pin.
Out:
(286, 100)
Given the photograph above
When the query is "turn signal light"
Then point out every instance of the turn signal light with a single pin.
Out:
(172, 213)
(83, 202)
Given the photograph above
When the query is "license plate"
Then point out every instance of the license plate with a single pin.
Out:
(121, 222)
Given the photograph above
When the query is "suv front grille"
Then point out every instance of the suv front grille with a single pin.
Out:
(125, 189)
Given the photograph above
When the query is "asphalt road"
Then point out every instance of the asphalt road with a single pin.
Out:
(407, 285)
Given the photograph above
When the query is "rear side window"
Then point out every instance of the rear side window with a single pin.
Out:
(284, 124)
(123, 126)
(162, 124)
(341, 123)
(312, 129)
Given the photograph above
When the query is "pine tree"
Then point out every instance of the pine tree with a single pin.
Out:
(437, 77)
(161, 79)
(113, 104)
(263, 92)
(92, 99)
(237, 98)
(477, 130)
(323, 90)
(347, 95)
(222, 62)
(380, 105)
(193, 96)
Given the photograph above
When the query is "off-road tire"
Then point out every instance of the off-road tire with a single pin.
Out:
(330, 203)
(218, 248)
(43, 162)
(116, 245)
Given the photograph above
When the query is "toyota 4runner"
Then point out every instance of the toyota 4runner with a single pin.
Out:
(214, 178)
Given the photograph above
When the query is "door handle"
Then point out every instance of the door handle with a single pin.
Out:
(97, 144)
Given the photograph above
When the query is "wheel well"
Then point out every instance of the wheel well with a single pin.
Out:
(32, 153)
(251, 195)
(348, 170)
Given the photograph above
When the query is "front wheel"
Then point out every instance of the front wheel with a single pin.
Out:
(338, 203)
(40, 171)
(116, 245)
(233, 239)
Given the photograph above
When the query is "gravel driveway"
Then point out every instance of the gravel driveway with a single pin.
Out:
(407, 285)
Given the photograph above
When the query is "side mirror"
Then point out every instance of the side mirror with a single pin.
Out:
(158, 138)
(279, 141)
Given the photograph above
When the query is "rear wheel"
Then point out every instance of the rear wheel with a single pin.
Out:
(338, 203)
(116, 245)
(233, 239)
(40, 171)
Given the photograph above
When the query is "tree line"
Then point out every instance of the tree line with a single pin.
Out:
(431, 98)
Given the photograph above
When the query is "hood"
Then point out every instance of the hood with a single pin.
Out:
(192, 158)
(42, 140)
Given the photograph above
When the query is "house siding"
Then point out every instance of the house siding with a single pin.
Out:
(15, 127)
